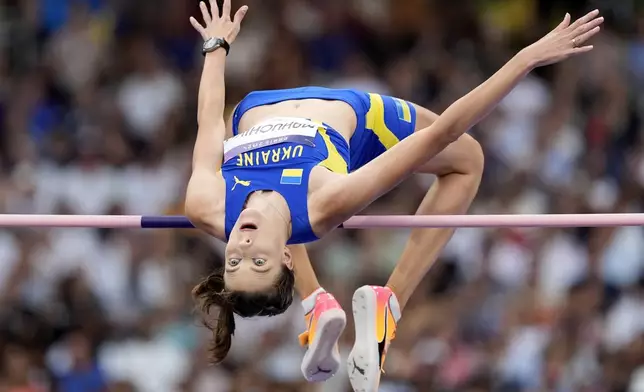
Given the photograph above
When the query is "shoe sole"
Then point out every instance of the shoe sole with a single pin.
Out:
(363, 361)
(321, 354)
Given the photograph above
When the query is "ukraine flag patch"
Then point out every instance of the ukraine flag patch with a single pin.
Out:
(402, 107)
(291, 176)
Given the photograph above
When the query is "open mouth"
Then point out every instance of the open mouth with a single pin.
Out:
(248, 226)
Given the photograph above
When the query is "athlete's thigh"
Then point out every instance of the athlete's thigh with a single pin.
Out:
(454, 157)
(384, 122)
(390, 120)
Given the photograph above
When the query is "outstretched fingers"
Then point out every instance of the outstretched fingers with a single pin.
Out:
(586, 31)
(226, 10)
(240, 14)
(589, 26)
(214, 8)
(588, 35)
(205, 13)
(214, 25)
(564, 23)
(200, 29)
(584, 19)
(581, 49)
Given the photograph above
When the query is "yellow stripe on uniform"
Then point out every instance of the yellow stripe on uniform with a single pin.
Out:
(334, 161)
(375, 122)
(292, 172)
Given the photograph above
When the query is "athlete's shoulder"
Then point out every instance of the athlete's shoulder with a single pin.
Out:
(325, 210)
(205, 203)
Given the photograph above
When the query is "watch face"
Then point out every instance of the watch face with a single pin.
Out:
(211, 43)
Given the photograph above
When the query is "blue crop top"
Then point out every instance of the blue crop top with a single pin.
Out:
(278, 154)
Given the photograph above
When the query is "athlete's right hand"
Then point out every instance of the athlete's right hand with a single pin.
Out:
(216, 26)
(564, 41)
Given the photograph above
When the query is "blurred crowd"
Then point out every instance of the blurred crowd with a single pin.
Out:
(98, 116)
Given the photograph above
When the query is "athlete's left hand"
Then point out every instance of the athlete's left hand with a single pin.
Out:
(566, 40)
(219, 26)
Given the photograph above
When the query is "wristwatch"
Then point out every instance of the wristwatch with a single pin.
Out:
(213, 44)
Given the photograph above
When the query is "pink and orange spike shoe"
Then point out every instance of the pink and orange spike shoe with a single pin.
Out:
(376, 312)
(325, 323)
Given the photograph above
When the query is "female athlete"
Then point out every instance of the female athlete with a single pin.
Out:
(292, 165)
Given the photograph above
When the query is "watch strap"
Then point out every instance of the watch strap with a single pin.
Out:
(215, 43)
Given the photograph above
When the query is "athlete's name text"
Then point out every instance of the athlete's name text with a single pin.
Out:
(270, 132)
(273, 127)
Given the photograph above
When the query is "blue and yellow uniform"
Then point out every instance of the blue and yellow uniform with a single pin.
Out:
(282, 164)
(383, 121)
(280, 153)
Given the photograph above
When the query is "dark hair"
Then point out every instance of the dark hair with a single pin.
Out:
(212, 292)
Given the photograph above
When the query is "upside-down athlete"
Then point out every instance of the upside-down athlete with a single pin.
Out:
(292, 165)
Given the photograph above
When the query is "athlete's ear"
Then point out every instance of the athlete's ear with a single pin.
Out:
(287, 259)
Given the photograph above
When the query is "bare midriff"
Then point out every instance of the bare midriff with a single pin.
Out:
(337, 114)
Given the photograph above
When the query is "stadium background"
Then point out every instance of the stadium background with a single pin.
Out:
(97, 114)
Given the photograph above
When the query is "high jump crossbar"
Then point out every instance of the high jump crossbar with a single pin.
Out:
(356, 222)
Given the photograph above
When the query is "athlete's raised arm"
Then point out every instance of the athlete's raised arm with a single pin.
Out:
(354, 192)
(219, 32)
(202, 195)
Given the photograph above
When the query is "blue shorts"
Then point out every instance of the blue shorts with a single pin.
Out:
(383, 121)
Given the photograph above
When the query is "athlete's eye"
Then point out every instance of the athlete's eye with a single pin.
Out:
(234, 262)
(259, 262)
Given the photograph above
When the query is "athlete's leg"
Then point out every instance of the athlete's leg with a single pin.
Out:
(376, 310)
(458, 169)
(324, 319)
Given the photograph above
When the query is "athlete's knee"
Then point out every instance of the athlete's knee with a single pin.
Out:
(463, 156)
(471, 153)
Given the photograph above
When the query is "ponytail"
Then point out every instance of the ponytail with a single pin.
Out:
(212, 292)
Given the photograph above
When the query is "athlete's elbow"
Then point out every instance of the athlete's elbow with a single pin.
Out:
(446, 131)
(455, 132)
(199, 212)
(193, 210)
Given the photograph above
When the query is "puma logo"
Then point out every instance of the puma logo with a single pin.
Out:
(358, 368)
(239, 182)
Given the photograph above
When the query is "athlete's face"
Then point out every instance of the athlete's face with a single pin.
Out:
(256, 253)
